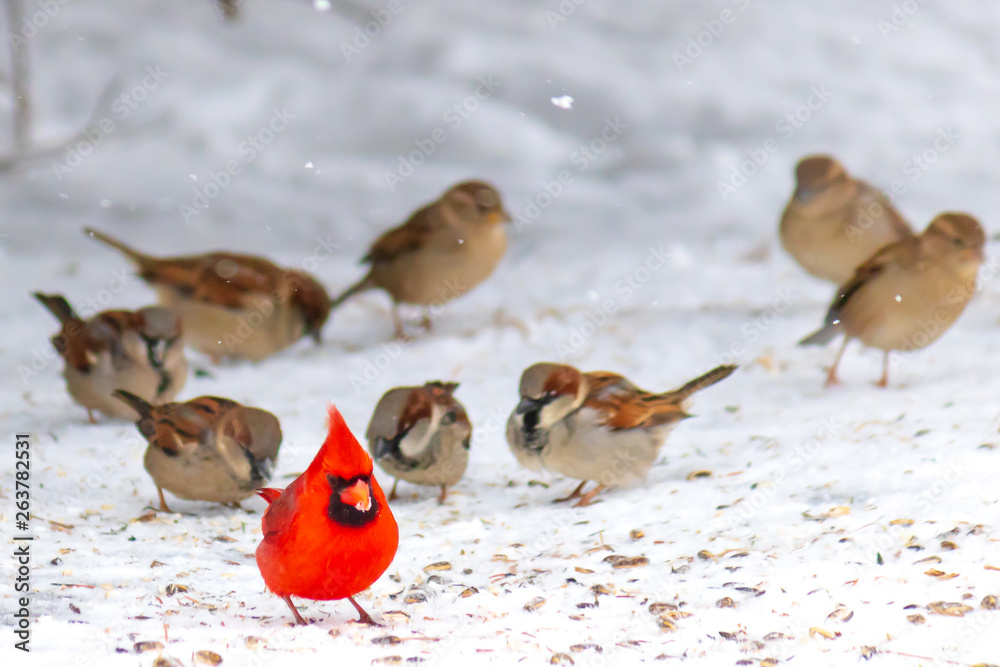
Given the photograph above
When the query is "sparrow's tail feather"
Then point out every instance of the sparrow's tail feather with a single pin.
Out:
(821, 337)
(58, 306)
(140, 405)
(360, 286)
(140, 259)
(717, 374)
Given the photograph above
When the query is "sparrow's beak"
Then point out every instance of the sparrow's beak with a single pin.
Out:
(527, 405)
(498, 217)
(157, 351)
(804, 194)
(358, 496)
(381, 447)
(973, 255)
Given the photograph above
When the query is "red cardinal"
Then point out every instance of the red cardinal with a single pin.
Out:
(329, 535)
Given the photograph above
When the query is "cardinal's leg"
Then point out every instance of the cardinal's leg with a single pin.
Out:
(365, 618)
(295, 612)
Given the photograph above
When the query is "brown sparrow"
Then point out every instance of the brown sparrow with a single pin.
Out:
(595, 426)
(834, 222)
(140, 350)
(233, 305)
(907, 294)
(208, 448)
(421, 435)
(441, 252)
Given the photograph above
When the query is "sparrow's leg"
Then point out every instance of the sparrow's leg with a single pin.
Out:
(589, 496)
(577, 492)
(425, 321)
(392, 494)
(365, 618)
(295, 612)
(884, 380)
(90, 416)
(831, 376)
(397, 322)
(444, 494)
(163, 501)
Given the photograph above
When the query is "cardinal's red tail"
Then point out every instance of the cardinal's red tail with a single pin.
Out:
(270, 495)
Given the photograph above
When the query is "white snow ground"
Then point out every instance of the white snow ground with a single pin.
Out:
(818, 503)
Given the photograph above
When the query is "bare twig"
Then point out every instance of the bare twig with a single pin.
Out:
(103, 102)
(19, 79)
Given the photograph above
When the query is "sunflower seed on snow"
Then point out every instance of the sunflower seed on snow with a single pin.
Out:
(163, 661)
(387, 640)
(534, 604)
(949, 608)
(841, 613)
(989, 602)
(580, 648)
(438, 567)
(207, 658)
(142, 647)
(624, 562)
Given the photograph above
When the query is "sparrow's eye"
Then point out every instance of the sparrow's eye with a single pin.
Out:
(957, 243)
(147, 428)
(448, 418)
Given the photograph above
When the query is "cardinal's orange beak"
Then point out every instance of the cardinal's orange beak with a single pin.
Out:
(358, 496)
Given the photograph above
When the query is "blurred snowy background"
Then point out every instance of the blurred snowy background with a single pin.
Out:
(618, 133)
